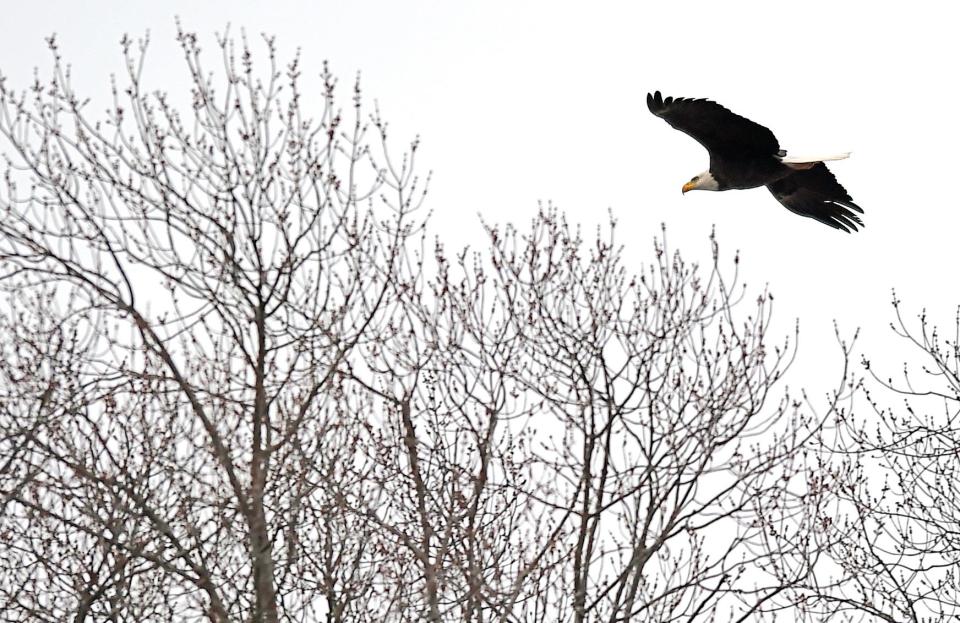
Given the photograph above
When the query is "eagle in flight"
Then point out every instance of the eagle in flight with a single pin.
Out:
(744, 154)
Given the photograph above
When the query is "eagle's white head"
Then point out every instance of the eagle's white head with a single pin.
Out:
(704, 181)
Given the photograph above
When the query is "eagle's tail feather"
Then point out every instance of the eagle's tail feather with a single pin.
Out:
(810, 160)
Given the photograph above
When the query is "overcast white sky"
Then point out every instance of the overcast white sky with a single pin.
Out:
(523, 101)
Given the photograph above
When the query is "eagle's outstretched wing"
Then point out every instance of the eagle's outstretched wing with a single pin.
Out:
(713, 126)
(816, 193)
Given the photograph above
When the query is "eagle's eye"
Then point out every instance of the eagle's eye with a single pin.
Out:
(695, 179)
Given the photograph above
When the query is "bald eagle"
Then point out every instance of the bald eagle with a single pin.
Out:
(744, 154)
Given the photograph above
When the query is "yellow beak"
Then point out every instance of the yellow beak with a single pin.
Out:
(688, 186)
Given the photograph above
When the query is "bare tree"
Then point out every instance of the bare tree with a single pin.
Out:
(206, 276)
(892, 471)
(666, 460)
(238, 385)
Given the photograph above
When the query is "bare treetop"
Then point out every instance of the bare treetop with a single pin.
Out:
(237, 385)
